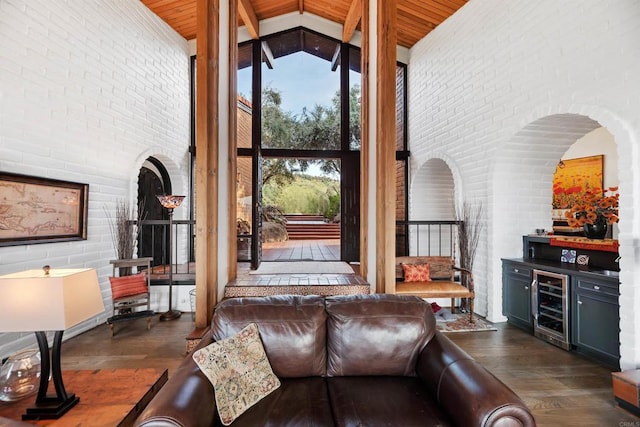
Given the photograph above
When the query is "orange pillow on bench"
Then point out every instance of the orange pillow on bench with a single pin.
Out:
(126, 286)
(416, 272)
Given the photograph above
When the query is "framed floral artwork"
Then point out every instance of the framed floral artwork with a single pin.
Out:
(574, 178)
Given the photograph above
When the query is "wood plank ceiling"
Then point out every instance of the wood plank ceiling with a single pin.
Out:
(416, 18)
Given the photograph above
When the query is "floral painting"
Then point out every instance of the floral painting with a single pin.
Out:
(574, 178)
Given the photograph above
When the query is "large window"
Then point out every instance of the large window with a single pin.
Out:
(304, 105)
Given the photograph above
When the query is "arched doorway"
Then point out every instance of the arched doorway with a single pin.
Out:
(520, 200)
(153, 180)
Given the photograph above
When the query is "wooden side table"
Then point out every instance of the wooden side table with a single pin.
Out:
(626, 386)
(107, 397)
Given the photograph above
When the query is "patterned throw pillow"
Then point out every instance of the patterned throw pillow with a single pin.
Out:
(239, 370)
(416, 272)
(126, 286)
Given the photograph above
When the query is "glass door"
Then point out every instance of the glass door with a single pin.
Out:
(550, 307)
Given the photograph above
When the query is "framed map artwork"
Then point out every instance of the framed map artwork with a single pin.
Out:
(41, 210)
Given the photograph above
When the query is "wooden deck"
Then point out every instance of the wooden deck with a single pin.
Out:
(302, 250)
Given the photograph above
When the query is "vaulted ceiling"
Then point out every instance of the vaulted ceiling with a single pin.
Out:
(416, 18)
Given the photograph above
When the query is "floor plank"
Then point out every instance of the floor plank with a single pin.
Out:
(562, 388)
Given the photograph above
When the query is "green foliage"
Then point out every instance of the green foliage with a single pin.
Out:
(304, 194)
(317, 128)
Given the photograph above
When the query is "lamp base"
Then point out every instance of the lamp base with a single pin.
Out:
(50, 408)
(170, 315)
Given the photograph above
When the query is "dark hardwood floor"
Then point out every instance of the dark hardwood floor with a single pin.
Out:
(561, 388)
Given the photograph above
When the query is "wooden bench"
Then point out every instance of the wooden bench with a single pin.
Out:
(443, 285)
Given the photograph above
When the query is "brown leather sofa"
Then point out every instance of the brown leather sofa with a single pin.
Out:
(357, 360)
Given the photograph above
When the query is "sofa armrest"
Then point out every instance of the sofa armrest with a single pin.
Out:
(186, 399)
(468, 393)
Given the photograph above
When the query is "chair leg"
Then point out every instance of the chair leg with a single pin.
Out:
(148, 323)
(111, 329)
(471, 319)
(453, 305)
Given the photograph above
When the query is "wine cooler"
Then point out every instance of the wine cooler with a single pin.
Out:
(550, 307)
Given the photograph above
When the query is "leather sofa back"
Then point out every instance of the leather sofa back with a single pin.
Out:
(376, 334)
(292, 328)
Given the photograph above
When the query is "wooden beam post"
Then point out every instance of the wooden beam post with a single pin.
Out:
(248, 16)
(232, 159)
(385, 145)
(207, 116)
(351, 21)
(364, 141)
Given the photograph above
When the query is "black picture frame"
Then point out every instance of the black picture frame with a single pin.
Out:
(41, 210)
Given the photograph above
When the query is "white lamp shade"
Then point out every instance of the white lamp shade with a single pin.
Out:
(31, 301)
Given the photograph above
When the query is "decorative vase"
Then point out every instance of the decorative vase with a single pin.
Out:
(20, 375)
(597, 230)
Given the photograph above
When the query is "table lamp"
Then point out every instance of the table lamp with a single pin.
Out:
(49, 300)
(170, 202)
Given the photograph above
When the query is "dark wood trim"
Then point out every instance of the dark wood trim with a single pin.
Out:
(344, 97)
(301, 154)
(256, 147)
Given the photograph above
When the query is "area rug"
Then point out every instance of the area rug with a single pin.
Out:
(462, 324)
(304, 267)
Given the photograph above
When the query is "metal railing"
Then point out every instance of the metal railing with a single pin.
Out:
(427, 238)
(418, 238)
(153, 241)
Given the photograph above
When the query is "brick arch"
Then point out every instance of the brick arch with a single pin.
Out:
(179, 180)
(520, 194)
(434, 192)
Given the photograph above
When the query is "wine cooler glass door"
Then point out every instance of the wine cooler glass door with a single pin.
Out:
(550, 307)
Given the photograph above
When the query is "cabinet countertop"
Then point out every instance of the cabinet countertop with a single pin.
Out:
(567, 268)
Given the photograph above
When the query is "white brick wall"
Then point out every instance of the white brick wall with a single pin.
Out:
(502, 89)
(88, 91)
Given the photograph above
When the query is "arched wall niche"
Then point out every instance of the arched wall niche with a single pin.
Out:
(519, 201)
(433, 194)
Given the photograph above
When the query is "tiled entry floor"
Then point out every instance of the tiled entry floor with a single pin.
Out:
(298, 284)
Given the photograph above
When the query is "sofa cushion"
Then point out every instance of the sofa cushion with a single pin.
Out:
(416, 272)
(292, 328)
(239, 371)
(440, 267)
(378, 334)
(298, 402)
(127, 286)
(383, 401)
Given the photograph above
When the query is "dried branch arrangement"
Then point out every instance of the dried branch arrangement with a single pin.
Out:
(124, 233)
(470, 225)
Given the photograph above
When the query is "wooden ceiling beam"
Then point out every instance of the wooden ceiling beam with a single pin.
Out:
(352, 20)
(300, 6)
(248, 15)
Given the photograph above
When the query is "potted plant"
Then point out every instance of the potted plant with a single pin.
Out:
(594, 211)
